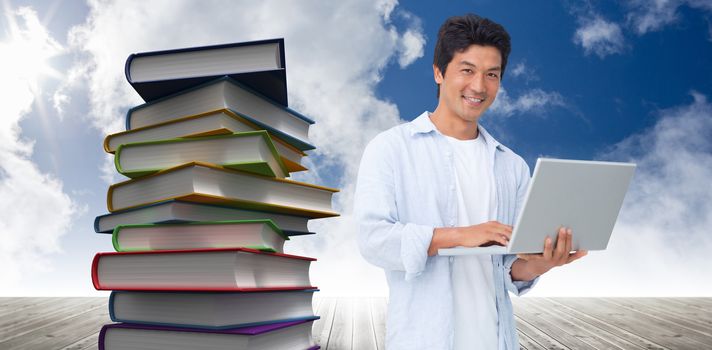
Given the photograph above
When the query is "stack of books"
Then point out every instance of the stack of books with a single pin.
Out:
(200, 226)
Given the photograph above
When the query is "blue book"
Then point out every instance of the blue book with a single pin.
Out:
(260, 65)
(175, 211)
(225, 93)
(211, 310)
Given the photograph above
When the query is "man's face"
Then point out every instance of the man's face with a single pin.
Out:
(470, 83)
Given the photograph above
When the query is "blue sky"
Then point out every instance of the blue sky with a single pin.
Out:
(625, 81)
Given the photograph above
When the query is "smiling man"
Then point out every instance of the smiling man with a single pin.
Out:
(442, 181)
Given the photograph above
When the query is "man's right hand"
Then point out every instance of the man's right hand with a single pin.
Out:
(484, 234)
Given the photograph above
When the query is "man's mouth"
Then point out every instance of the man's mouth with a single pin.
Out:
(473, 100)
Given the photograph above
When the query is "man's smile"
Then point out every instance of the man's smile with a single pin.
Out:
(473, 101)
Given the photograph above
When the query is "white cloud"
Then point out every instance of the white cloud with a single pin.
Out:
(647, 16)
(519, 69)
(522, 71)
(34, 211)
(596, 35)
(336, 53)
(661, 244)
(534, 101)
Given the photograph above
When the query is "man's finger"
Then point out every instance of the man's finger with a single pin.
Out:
(548, 251)
(559, 253)
(577, 255)
(569, 244)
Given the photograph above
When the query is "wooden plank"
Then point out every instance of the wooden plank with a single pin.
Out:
(63, 332)
(702, 302)
(16, 303)
(29, 307)
(18, 325)
(533, 316)
(341, 337)
(558, 305)
(364, 336)
(527, 343)
(661, 332)
(90, 341)
(653, 309)
(690, 303)
(537, 336)
(597, 338)
(378, 307)
(684, 310)
(322, 327)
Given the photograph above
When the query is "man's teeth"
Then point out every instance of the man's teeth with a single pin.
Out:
(474, 99)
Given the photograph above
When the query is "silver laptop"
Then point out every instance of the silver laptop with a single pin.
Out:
(583, 195)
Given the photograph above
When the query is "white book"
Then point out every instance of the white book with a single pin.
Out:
(251, 151)
(256, 234)
(225, 93)
(206, 183)
(216, 122)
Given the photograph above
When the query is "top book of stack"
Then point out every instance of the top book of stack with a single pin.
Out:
(259, 65)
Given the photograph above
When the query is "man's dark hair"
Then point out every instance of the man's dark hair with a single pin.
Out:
(459, 32)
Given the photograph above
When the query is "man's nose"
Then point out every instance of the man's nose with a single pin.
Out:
(477, 84)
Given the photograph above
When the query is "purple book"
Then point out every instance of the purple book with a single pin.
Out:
(299, 330)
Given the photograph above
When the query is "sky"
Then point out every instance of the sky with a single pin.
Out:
(620, 81)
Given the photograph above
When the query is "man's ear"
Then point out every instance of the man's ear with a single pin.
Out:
(437, 75)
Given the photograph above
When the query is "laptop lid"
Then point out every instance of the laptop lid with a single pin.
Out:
(583, 195)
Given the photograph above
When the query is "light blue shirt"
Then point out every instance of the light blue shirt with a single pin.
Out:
(405, 189)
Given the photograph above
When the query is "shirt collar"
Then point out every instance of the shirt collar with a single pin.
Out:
(423, 125)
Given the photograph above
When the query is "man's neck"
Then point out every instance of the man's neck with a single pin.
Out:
(454, 126)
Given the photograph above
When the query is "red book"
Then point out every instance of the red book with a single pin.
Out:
(233, 269)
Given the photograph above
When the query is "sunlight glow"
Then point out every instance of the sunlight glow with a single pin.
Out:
(25, 51)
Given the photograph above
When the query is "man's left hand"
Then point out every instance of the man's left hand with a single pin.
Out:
(534, 265)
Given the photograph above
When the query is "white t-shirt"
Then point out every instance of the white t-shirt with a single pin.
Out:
(472, 281)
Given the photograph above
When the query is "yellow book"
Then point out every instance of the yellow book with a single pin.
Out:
(206, 183)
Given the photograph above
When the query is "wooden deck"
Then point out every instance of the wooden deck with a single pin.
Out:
(359, 323)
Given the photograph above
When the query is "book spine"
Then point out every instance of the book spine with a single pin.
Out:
(102, 336)
(95, 271)
(129, 113)
(117, 159)
(127, 67)
(112, 311)
(96, 223)
(115, 238)
(107, 140)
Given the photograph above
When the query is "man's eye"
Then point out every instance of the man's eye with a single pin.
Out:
(467, 71)
(493, 75)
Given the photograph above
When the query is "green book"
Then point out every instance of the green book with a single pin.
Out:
(255, 234)
(251, 151)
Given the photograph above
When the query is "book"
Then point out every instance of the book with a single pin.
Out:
(296, 335)
(206, 183)
(218, 122)
(225, 93)
(256, 234)
(257, 64)
(250, 151)
(210, 310)
(230, 269)
(174, 211)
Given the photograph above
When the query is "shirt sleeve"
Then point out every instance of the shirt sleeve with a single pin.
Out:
(383, 240)
(518, 287)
